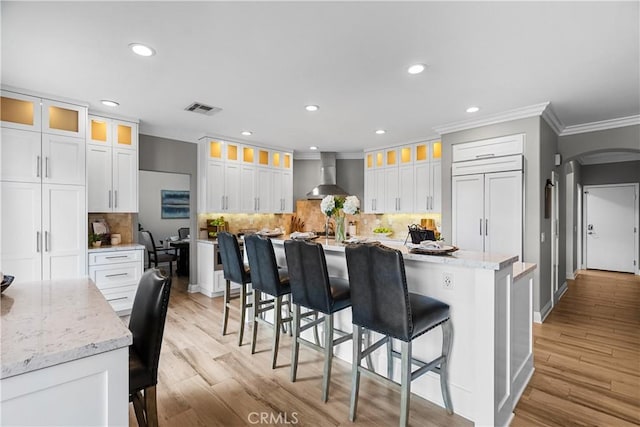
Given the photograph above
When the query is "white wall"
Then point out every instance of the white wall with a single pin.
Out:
(150, 213)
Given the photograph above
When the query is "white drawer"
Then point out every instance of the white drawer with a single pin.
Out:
(106, 277)
(115, 257)
(497, 164)
(121, 299)
(487, 148)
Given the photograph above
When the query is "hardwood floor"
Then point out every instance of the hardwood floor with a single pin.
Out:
(587, 360)
(587, 356)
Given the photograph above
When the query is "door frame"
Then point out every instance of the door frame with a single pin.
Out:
(579, 250)
(555, 238)
(636, 243)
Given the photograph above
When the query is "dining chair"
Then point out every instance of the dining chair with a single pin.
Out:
(146, 324)
(381, 302)
(183, 232)
(157, 255)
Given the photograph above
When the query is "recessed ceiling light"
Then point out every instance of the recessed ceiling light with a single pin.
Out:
(381, 131)
(313, 147)
(473, 109)
(311, 108)
(246, 133)
(109, 103)
(141, 49)
(416, 69)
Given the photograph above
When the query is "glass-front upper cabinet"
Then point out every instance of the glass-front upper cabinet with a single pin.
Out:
(263, 157)
(375, 159)
(248, 154)
(427, 151)
(61, 118)
(19, 111)
(110, 132)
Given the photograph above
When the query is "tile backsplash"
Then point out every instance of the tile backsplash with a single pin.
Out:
(119, 223)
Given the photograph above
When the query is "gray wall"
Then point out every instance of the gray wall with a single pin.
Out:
(624, 138)
(349, 176)
(151, 184)
(169, 155)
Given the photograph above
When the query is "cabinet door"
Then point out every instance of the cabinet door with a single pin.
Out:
(215, 187)
(125, 135)
(20, 154)
(467, 200)
(64, 160)
(287, 191)
(436, 187)
(369, 192)
(64, 224)
(389, 191)
(233, 188)
(125, 180)
(99, 192)
(21, 242)
(205, 268)
(100, 131)
(422, 198)
(503, 213)
(248, 201)
(405, 189)
(277, 188)
(61, 118)
(19, 111)
(264, 194)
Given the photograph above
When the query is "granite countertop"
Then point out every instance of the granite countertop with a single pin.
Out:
(122, 247)
(522, 268)
(461, 258)
(46, 323)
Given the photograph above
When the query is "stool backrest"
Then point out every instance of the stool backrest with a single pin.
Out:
(183, 232)
(379, 294)
(262, 261)
(232, 263)
(148, 316)
(307, 265)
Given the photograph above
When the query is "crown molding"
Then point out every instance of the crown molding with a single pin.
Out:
(601, 125)
(515, 114)
(44, 95)
(552, 120)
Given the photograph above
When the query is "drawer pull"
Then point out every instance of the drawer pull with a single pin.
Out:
(115, 257)
(115, 275)
(485, 156)
(117, 299)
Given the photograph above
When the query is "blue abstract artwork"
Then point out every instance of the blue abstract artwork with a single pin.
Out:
(174, 204)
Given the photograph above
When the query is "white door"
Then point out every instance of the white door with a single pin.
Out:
(467, 205)
(99, 193)
(389, 196)
(369, 191)
(611, 221)
(232, 187)
(503, 213)
(264, 196)
(405, 189)
(64, 159)
(277, 189)
(21, 246)
(215, 187)
(248, 198)
(422, 193)
(20, 156)
(436, 187)
(64, 225)
(287, 191)
(125, 180)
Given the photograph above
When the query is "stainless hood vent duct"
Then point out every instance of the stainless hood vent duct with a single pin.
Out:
(327, 186)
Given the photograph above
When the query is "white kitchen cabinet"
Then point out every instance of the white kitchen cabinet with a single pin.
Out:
(428, 188)
(112, 161)
(374, 191)
(487, 212)
(214, 185)
(488, 148)
(61, 118)
(248, 198)
(205, 268)
(21, 155)
(264, 195)
(117, 273)
(21, 111)
(43, 231)
(282, 191)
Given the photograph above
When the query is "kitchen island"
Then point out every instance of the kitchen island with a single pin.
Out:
(65, 356)
(491, 359)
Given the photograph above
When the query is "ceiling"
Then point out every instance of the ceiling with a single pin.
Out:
(262, 62)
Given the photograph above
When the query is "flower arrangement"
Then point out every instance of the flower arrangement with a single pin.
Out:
(338, 206)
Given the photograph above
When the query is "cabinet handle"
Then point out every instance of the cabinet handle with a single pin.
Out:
(116, 198)
(38, 167)
(398, 204)
(117, 299)
(109, 198)
(46, 241)
(46, 167)
(119, 256)
(481, 226)
(116, 275)
(486, 227)
(484, 156)
(37, 241)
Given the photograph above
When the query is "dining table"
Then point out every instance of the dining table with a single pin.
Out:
(183, 256)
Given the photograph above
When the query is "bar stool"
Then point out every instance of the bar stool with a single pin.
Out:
(266, 278)
(382, 303)
(234, 271)
(312, 288)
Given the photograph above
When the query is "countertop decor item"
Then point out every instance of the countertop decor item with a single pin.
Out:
(338, 206)
(6, 282)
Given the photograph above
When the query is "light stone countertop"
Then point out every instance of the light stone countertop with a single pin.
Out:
(49, 322)
(461, 258)
(122, 247)
(522, 268)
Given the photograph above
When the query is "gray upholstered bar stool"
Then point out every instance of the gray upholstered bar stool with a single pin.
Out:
(311, 287)
(236, 272)
(268, 279)
(382, 303)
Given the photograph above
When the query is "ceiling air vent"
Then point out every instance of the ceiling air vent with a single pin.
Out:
(207, 110)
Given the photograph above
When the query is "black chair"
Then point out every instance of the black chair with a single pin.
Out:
(147, 326)
(236, 272)
(183, 232)
(266, 278)
(382, 303)
(311, 287)
(157, 255)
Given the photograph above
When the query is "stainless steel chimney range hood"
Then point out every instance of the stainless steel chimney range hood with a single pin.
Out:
(327, 186)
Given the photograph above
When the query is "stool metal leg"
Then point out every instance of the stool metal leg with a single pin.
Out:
(295, 345)
(328, 355)
(447, 335)
(390, 358)
(243, 310)
(355, 371)
(405, 383)
(277, 323)
(315, 330)
(256, 306)
(225, 307)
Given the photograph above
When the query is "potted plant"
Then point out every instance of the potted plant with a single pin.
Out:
(95, 239)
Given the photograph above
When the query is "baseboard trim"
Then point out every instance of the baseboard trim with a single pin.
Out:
(539, 316)
(560, 292)
(193, 288)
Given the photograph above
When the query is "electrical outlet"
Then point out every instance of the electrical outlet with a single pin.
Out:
(447, 280)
